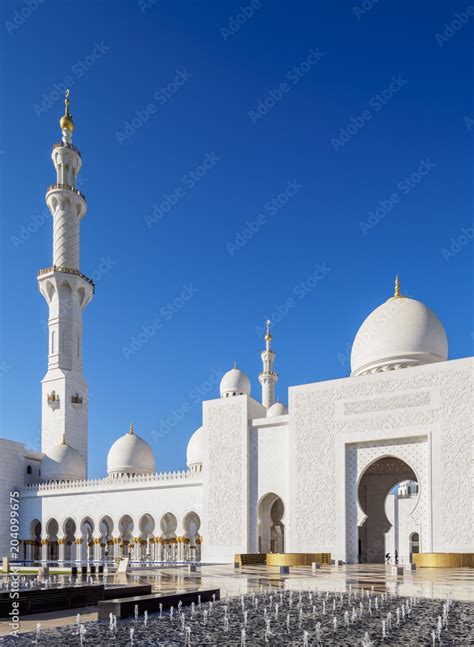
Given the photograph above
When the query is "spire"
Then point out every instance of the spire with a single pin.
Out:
(66, 123)
(397, 287)
(268, 336)
(268, 377)
(130, 431)
(396, 293)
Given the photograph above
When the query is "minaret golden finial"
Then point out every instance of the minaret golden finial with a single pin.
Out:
(396, 294)
(268, 336)
(130, 431)
(66, 121)
(64, 438)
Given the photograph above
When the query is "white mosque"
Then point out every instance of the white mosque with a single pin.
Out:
(378, 461)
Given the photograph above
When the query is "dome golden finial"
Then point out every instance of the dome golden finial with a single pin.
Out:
(66, 121)
(397, 294)
(130, 431)
(268, 336)
(235, 364)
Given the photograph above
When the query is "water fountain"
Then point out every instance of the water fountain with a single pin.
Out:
(38, 633)
(300, 617)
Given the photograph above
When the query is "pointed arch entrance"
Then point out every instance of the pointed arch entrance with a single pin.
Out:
(409, 456)
(270, 527)
(376, 482)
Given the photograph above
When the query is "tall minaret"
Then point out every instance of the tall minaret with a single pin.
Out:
(67, 292)
(268, 378)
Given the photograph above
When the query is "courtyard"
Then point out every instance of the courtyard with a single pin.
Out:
(302, 596)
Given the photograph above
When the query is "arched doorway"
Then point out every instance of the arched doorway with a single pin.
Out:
(270, 527)
(373, 488)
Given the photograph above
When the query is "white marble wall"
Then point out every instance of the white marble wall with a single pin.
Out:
(427, 408)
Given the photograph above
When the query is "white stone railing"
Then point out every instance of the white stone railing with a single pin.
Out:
(117, 482)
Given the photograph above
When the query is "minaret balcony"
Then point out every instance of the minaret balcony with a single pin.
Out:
(69, 187)
(67, 270)
(67, 145)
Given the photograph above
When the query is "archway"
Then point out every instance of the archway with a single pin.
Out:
(52, 528)
(35, 532)
(146, 526)
(374, 486)
(192, 546)
(270, 527)
(69, 528)
(168, 525)
(126, 534)
(106, 527)
(87, 536)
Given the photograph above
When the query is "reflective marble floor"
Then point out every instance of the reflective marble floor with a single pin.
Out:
(426, 582)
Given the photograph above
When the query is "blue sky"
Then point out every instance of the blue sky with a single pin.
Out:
(242, 160)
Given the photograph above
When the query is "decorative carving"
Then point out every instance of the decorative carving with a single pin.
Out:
(315, 429)
(225, 504)
(377, 405)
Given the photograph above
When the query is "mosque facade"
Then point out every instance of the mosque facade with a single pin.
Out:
(378, 461)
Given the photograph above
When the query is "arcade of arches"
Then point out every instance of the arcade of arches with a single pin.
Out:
(142, 540)
(375, 485)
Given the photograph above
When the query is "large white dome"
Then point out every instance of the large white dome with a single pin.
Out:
(233, 383)
(63, 463)
(402, 332)
(195, 449)
(130, 455)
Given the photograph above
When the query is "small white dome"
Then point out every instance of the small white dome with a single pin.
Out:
(195, 449)
(401, 332)
(233, 383)
(63, 463)
(277, 409)
(130, 455)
